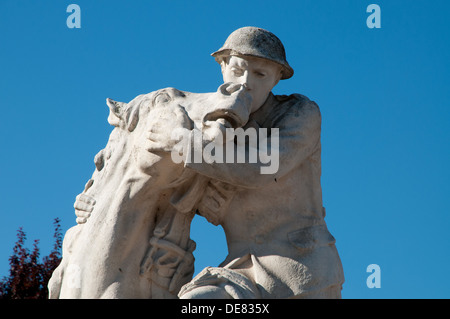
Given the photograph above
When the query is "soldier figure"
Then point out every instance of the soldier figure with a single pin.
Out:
(278, 242)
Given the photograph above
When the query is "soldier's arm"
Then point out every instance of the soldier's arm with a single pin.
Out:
(299, 136)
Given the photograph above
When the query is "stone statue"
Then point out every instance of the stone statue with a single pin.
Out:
(278, 242)
(174, 154)
(132, 238)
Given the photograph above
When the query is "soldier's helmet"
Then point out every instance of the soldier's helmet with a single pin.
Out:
(256, 42)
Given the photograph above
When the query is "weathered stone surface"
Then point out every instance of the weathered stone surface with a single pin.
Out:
(241, 157)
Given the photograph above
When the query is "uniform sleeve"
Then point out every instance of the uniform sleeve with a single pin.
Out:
(298, 137)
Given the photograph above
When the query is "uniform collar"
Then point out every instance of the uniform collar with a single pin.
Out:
(262, 114)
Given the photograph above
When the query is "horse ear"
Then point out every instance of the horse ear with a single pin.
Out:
(133, 119)
(116, 110)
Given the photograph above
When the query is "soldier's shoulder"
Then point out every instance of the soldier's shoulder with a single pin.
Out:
(298, 103)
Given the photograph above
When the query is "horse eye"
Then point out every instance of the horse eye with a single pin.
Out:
(162, 98)
(99, 160)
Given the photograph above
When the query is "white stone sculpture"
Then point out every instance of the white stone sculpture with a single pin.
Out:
(133, 241)
(278, 242)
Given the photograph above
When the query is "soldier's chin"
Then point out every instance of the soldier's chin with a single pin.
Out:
(257, 103)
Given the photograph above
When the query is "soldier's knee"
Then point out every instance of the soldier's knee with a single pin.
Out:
(206, 292)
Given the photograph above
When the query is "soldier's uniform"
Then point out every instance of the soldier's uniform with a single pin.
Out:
(278, 242)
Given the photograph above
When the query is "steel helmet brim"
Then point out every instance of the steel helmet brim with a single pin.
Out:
(255, 42)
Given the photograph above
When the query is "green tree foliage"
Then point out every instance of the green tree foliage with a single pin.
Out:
(28, 277)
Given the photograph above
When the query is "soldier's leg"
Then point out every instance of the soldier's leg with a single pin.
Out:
(206, 292)
(330, 292)
(219, 283)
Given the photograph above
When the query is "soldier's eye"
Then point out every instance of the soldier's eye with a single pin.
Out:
(260, 74)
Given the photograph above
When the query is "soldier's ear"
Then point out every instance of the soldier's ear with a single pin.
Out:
(280, 75)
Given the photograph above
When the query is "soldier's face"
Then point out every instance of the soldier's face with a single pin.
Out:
(259, 75)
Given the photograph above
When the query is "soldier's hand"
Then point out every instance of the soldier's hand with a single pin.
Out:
(215, 201)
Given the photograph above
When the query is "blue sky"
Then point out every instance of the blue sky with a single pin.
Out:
(384, 96)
